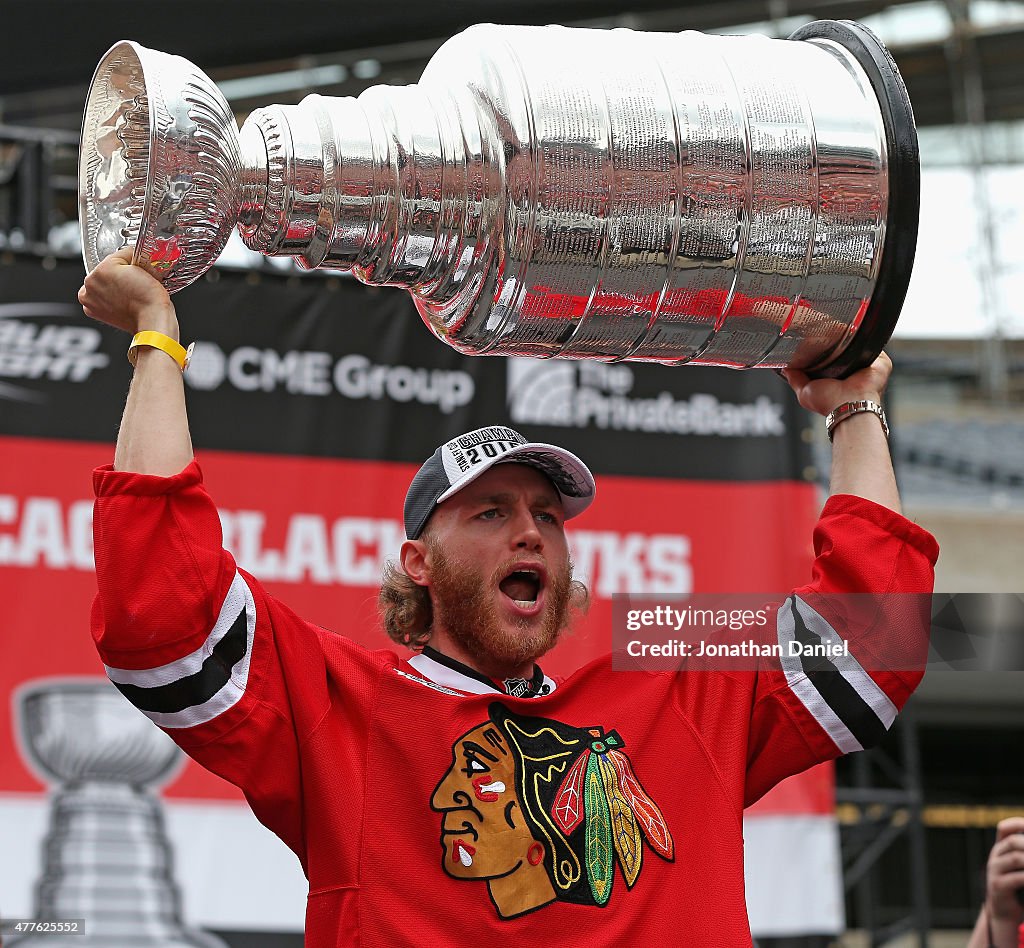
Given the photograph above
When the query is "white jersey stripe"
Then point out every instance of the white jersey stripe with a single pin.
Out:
(443, 675)
(239, 598)
(801, 686)
(849, 667)
(234, 603)
(453, 678)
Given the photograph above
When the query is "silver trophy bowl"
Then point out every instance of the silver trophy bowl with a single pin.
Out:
(550, 192)
(85, 730)
(159, 166)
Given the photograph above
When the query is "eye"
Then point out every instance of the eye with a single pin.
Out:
(473, 765)
(547, 517)
(491, 514)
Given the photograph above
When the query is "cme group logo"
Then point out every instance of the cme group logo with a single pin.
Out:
(304, 372)
(207, 367)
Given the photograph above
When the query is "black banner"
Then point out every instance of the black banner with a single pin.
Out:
(324, 366)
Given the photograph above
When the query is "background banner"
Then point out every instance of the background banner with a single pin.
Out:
(312, 401)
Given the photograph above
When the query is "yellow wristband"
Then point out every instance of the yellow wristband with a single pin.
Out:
(158, 340)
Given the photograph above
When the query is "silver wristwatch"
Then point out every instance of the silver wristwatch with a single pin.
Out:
(849, 409)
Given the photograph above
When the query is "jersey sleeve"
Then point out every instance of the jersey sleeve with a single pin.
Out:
(198, 646)
(852, 644)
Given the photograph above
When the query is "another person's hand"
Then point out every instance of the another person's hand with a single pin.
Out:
(127, 297)
(822, 395)
(1004, 874)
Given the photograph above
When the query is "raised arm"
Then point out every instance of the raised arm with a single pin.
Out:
(861, 463)
(854, 640)
(154, 436)
(192, 641)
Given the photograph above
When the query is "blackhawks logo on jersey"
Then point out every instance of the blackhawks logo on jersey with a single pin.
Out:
(542, 811)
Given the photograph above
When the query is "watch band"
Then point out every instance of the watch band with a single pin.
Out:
(158, 340)
(849, 409)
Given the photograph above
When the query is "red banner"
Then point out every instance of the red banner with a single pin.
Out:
(316, 532)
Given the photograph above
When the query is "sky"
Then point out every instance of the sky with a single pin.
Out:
(946, 296)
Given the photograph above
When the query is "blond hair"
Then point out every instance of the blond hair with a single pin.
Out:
(405, 608)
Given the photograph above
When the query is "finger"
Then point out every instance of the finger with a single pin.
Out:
(1009, 882)
(1007, 855)
(1007, 858)
(1014, 839)
(796, 378)
(119, 258)
(1012, 824)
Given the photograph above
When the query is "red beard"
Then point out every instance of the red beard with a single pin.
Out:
(465, 606)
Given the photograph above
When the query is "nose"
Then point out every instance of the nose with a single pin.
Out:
(525, 533)
(444, 795)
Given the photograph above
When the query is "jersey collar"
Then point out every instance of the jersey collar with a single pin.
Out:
(444, 670)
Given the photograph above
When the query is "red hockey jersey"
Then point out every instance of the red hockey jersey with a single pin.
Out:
(427, 808)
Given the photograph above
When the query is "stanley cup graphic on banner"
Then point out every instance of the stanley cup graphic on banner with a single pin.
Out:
(107, 859)
(549, 192)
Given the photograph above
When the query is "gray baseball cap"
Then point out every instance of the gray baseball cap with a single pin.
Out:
(462, 460)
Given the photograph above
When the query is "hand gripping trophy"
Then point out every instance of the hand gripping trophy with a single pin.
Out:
(550, 192)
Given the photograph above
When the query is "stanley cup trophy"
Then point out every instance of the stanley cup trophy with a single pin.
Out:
(106, 857)
(550, 192)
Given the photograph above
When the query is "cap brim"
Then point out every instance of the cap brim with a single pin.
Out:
(569, 475)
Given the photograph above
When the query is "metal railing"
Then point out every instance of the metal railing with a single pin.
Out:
(38, 185)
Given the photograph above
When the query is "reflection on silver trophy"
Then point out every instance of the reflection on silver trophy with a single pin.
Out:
(106, 856)
(550, 192)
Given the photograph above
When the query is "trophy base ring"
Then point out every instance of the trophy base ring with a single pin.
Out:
(903, 212)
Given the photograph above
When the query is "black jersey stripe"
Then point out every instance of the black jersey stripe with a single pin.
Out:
(855, 713)
(198, 688)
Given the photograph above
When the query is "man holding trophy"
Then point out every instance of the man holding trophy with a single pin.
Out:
(605, 808)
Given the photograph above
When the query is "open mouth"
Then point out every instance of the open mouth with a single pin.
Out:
(524, 587)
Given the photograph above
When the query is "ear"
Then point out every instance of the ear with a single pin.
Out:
(413, 557)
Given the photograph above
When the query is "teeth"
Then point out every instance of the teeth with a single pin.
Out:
(464, 857)
(525, 603)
